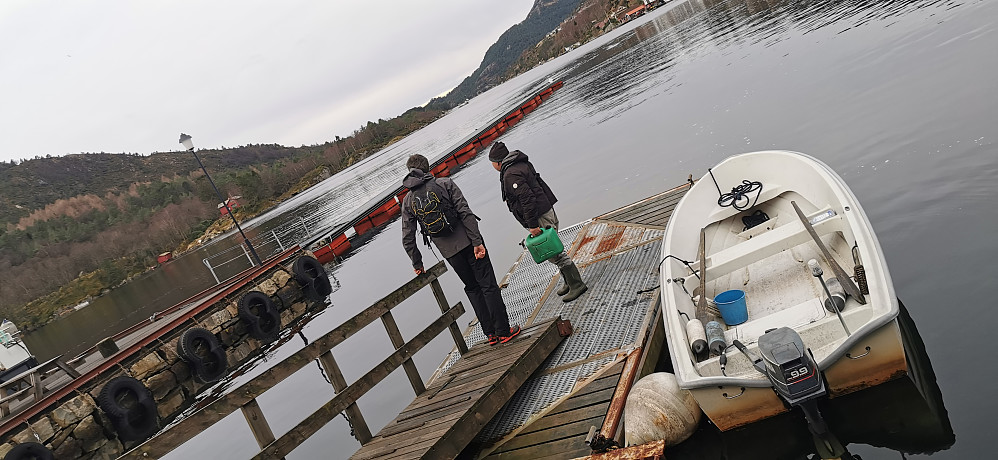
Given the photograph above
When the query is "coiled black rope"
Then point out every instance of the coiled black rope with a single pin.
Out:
(738, 197)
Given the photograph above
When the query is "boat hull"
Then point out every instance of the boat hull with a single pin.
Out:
(877, 359)
(733, 406)
(18, 369)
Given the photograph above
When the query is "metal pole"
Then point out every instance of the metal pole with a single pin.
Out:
(279, 244)
(211, 269)
(817, 272)
(226, 204)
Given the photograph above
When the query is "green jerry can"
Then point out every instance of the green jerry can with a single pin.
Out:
(544, 246)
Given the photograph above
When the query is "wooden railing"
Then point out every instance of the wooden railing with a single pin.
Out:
(244, 397)
(31, 383)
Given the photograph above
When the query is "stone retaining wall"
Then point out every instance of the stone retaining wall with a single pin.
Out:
(76, 427)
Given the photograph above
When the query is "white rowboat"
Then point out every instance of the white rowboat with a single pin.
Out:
(769, 262)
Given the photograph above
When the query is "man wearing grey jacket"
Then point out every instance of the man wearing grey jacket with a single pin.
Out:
(461, 244)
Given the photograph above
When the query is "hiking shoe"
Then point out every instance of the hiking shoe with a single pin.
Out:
(493, 339)
(513, 332)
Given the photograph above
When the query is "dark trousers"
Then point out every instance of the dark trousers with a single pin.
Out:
(482, 289)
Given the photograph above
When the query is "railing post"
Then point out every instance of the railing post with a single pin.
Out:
(248, 257)
(211, 269)
(357, 421)
(397, 341)
(278, 240)
(438, 293)
(258, 423)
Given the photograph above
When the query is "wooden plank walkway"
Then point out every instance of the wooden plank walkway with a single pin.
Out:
(561, 432)
(653, 211)
(445, 418)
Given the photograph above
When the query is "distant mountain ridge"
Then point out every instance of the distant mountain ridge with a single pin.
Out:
(544, 17)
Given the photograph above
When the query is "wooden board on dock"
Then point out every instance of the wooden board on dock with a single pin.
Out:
(446, 417)
(653, 211)
(562, 432)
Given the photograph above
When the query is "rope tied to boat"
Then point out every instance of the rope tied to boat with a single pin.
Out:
(738, 197)
(687, 263)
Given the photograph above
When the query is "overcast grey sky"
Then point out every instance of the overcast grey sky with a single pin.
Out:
(130, 76)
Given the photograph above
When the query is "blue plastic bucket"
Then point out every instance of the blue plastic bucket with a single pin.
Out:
(732, 306)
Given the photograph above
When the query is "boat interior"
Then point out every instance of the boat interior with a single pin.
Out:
(769, 262)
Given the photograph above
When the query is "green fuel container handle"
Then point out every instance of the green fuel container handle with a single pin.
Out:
(544, 246)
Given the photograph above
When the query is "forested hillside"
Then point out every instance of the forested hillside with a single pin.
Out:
(74, 226)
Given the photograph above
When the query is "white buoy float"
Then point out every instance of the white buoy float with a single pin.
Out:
(656, 408)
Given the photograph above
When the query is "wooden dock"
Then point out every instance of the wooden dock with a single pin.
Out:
(574, 402)
(443, 420)
(553, 392)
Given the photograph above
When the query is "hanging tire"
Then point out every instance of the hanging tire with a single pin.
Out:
(258, 312)
(204, 353)
(318, 289)
(130, 407)
(28, 451)
(306, 270)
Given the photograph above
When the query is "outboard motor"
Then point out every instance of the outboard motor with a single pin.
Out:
(791, 368)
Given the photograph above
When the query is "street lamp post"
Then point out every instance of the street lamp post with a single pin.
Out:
(189, 145)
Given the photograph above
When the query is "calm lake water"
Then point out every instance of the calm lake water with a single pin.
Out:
(899, 97)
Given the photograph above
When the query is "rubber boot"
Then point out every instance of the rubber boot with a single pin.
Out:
(564, 286)
(576, 286)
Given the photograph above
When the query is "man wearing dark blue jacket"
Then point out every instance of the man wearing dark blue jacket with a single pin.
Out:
(531, 201)
(461, 244)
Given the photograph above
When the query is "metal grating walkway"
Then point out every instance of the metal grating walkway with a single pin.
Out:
(617, 254)
(606, 319)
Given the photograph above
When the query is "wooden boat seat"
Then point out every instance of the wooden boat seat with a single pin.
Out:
(764, 245)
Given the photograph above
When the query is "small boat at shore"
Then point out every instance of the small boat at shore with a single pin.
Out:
(14, 355)
(757, 298)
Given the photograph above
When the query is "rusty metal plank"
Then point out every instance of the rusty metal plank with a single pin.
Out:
(649, 451)
(616, 409)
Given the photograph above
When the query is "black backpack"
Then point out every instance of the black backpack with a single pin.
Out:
(433, 210)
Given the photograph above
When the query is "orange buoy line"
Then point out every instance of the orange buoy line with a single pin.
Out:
(388, 208)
